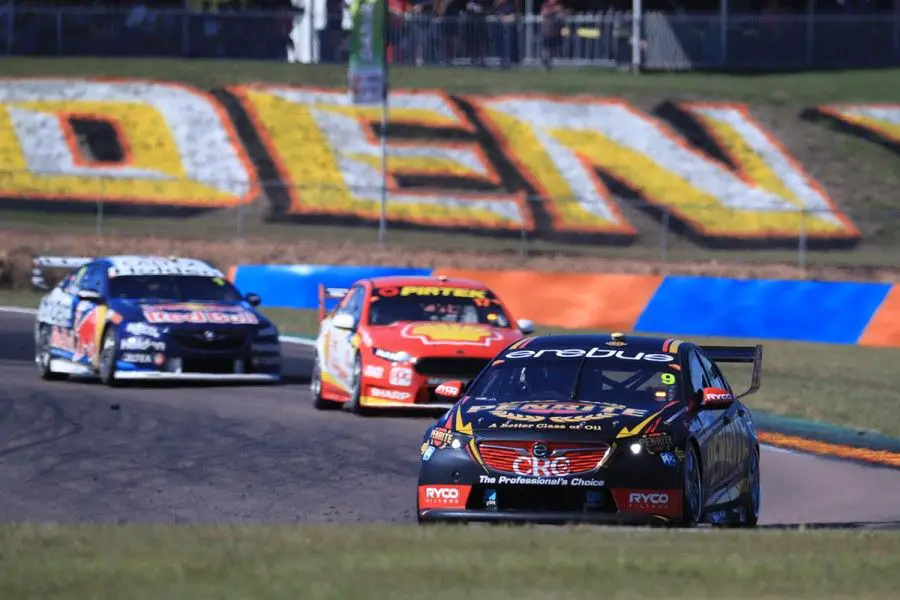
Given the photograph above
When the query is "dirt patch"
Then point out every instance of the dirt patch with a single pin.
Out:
(18, 249)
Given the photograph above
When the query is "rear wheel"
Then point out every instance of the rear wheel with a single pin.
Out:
(42, 356)
(753, 498)
(692, 505)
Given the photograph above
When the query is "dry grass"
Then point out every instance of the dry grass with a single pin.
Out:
(17, 248)
(440, 563)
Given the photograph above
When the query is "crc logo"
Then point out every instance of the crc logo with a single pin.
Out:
(650, 498)
(541, 467)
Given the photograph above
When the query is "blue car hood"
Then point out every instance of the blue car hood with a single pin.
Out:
(166, 312)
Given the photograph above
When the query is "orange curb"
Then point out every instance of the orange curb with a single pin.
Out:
(881, 457)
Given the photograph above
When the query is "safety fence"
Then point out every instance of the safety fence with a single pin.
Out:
(518, 223)
(668, 42)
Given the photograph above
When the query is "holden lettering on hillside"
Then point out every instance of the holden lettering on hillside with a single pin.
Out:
(329, 158)
(563, 141)
(878, 122)
(122, 142)
(552, 166)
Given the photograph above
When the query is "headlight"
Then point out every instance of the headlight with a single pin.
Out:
(394, 356)
(268, 331)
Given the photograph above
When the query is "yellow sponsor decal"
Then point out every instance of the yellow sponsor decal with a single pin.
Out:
(329, 155)
(428, 290)
(143, 143)
(457, 334)
(877, 121)
(563, 141)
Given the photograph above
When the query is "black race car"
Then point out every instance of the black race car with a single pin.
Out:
(598, 428)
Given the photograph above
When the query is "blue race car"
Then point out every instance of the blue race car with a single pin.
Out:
(151, 318)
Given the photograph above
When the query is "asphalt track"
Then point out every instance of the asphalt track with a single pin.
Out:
(78, 451)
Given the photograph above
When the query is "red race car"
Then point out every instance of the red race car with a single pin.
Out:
(392, 340)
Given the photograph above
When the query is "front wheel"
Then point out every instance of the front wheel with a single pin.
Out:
(315, 387)
(42, 355)
(354, 403)
(693, 488)
(108, 350)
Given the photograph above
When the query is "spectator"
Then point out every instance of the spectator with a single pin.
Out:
(505, 34)
(552, 13)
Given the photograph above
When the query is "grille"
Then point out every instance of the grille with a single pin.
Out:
(216, 366)
(537, 498)
(196, 340)
(562, 458)
(451, 368)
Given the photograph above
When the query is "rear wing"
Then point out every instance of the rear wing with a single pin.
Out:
(333, 294)
(739, 354)
(55, 263)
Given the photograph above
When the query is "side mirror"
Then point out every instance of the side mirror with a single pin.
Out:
(343, 321)
(91, 296)
(253, 299)
(451, 390)
(712, 398)
(525, 326)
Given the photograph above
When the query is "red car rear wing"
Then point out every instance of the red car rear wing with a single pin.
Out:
(739, 354)
(326, 294)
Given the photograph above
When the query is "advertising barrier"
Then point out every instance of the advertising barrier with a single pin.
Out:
(803, 311)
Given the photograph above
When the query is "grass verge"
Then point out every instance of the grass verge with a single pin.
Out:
(312, 562)
(850, 386)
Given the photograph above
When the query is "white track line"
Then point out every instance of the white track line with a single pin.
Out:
(287, 339)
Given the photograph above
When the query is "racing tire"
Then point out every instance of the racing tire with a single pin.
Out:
(353, 403)
(109, 349)
(42, 354)
(752, 500)
(315, 388)
(692, 481)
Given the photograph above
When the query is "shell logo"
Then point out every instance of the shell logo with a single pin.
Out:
(455, 334)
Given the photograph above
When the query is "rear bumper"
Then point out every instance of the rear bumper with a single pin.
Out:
(539, 517)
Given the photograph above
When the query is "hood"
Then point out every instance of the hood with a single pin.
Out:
(190, 313)
(429, 338)
(551, 420)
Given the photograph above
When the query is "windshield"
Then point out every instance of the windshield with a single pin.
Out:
(178, 288)
(630, 383)
(451, 305)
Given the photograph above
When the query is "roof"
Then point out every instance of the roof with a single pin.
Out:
(586, 341)
(159, 265)
(429, 280)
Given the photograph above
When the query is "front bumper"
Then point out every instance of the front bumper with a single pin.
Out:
(538, 517)
(165, 376)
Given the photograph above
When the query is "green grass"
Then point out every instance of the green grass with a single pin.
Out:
(851, 386)
(781, 97)
(310, 562)
(801, 89)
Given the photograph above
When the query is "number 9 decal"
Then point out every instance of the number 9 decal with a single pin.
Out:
(668, 378)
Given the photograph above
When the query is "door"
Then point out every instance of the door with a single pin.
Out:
(340, 346)
(89, 315)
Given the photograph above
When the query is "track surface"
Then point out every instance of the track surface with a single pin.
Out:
(254, 454)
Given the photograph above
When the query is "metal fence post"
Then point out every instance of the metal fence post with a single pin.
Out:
(664, 236)
(636, 11)
(99, 223)
(59, 34)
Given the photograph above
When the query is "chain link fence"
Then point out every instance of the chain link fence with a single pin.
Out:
(669, 42)
(283, 218)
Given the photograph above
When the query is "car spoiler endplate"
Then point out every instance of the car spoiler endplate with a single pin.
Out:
(39, 263)
(739, 354)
